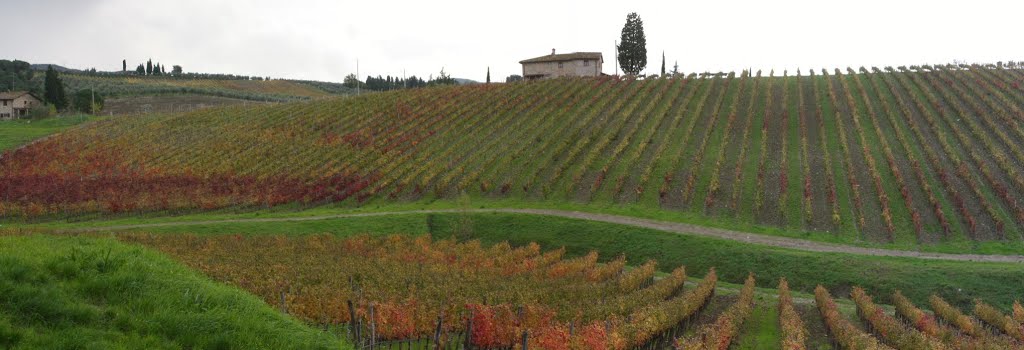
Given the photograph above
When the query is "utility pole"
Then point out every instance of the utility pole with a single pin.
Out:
(357, 77)
(616, 54)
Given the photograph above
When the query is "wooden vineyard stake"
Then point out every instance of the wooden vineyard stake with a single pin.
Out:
(437, 332)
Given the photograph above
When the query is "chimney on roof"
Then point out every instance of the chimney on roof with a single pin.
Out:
(552, 52)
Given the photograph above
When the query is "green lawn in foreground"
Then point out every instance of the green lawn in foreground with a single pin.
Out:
(958, 282)
(14, 133)
(96, 293)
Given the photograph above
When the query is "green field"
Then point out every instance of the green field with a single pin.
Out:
(14, 133)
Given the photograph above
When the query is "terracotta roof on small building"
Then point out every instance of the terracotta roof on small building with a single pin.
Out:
(565, 57)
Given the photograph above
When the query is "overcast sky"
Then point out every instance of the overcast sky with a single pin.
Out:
(321, 40)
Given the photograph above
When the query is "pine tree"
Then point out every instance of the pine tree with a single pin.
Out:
(149, 67)
(140, 70)
(54, 90)
(633, 48)
(488, 75)
(663, 63)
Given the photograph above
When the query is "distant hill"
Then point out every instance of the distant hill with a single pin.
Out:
(56, 67)
(253, 90)
(148, 87)
(463, 81)
(127, 84)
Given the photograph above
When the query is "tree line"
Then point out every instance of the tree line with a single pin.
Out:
(152, 69)
(149, 68)
(386, 83)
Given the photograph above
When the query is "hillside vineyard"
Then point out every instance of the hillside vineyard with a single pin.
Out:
(404, 290)
(924, 155)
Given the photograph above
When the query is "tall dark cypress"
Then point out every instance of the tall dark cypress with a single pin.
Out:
(488, 75)
(663, 63)
(149, 67)
(54, 90)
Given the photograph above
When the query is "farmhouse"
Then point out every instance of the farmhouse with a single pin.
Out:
(16, 104)
(576, 64)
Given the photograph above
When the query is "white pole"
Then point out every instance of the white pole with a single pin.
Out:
(357, 77)
(616, 54)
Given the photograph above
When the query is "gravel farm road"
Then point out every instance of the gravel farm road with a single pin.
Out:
(668, 226)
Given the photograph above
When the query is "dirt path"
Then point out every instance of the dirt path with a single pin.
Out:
(674, 227)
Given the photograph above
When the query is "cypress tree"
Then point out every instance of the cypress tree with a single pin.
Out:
(488, 75)
(124, 65)
(149, 67)
(54, 89)
(663, 63)
(633, 48)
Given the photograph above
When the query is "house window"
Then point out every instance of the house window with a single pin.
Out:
(586, 63)
(5, 103)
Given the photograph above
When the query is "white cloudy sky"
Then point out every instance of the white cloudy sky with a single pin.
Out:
(321, 40)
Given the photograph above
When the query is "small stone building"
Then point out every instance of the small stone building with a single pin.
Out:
(576, 64)
(16, 104)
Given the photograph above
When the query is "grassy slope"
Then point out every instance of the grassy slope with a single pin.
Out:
(96, 293)
(956, 281)
(994, 247)
(18, 132)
